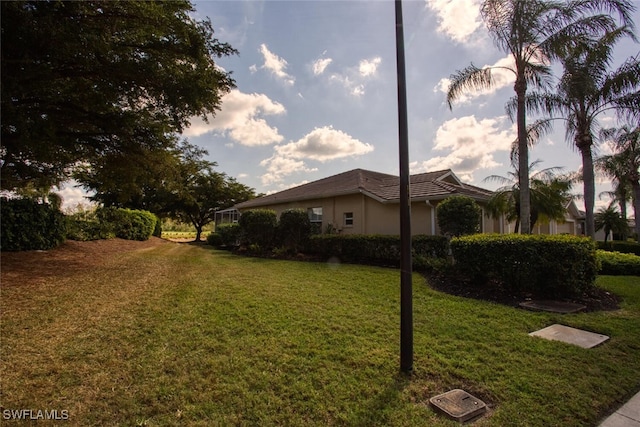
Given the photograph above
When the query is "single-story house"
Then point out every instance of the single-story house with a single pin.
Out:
(365, 202)
(573, 223)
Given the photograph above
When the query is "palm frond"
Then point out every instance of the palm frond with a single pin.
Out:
(469, 78)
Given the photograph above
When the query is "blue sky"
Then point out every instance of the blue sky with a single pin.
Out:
(316, 93)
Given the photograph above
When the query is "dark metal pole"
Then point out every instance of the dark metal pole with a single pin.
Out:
(406, 291)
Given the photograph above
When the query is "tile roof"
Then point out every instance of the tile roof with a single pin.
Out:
(383, 187)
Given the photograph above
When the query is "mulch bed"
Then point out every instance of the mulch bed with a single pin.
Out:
(595, 299)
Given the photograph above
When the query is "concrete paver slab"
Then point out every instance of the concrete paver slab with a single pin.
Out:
(584, 339)
(631, 409)
(617, 420)
(561, 307)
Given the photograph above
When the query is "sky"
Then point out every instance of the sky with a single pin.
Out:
(317, 95)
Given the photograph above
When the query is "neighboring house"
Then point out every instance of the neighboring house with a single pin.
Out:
(365, 202)
(573, 222)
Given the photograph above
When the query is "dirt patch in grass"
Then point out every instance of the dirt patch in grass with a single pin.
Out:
(31, 267)
(595, 299)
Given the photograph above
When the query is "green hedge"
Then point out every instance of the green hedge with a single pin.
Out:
(620, 246)
(544, 266)
(129, 224)
(294, 229)
(373, 249)
(28, 225)
(88, 229)
(226, 236)
(618, 264)
(258, 228)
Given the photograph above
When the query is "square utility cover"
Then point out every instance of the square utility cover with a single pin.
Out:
(459, 405)
(584, 339)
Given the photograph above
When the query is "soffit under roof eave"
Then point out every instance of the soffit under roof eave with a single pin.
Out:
(429, 199)
(310, 197)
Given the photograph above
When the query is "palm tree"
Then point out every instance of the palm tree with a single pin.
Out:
(534, 32)
(587, 91)
(610, 220)
(613, 166)
(550, 193)
(626, 160)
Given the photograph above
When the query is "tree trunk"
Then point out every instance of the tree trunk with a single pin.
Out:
(523, 155)
(198, 233)
(636, 206)
(589, 189)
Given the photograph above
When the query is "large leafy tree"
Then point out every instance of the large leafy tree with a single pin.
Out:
(588, 90)
(205, 193)
(141, 178)
(534, 32)
(624, 164)
(550, 194)
(83, 80)
(178, 183)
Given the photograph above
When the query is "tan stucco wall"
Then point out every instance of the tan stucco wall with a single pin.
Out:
(369, 215)
(373, 217)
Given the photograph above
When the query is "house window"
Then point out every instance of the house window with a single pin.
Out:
(348, 219)
(315, 215)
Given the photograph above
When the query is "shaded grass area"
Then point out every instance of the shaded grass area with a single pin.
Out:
(185, 335)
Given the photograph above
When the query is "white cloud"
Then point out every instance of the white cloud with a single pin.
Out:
(239, 116)
(74, 196)
(471, 145)
(353, 87)
(501, 77)
(320, 65)
(369, 67)
(457, 19)
(276, 65)
(322, 144)
(354, 79)
(278, 167)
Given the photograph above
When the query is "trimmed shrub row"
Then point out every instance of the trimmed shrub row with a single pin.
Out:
(620, 246)
(260, 231)
(107, 223)
(129, 224)
(618, 264)
(226, 235)
(374, 249)
(29, 225)
(549, 266)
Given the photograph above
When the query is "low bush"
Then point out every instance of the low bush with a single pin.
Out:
(458, 216)
(544, 266)
(374, 249)
(128, 224)
(29, 225)
(157, 230)
(226, 236)
(618, 264)
(294, 228)
(258, 227)
(84, 230)
(620, 246)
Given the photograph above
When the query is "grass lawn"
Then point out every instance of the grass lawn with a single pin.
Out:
(181, 334)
